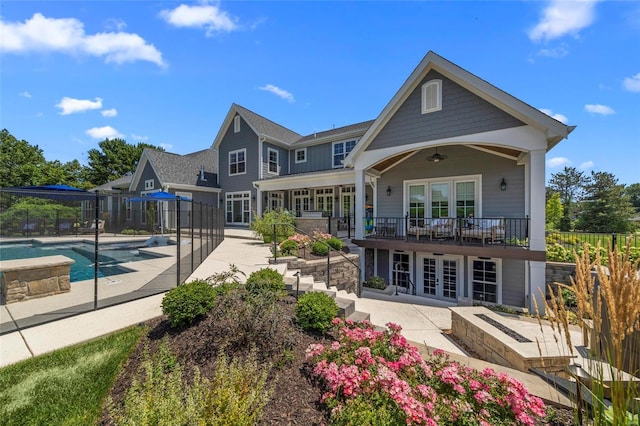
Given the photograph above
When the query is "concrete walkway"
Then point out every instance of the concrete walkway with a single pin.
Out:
(422, 320)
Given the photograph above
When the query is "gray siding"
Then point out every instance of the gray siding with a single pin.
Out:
(319, 157)
(462, 113)
(461, 161)
(147, 173)
(246, 138)
(283, 161)
(383, 264)
(513, 276)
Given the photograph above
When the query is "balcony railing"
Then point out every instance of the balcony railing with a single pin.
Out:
(466, 231)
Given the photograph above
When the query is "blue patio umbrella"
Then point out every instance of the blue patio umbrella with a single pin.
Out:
(55, 192)
(160, 196)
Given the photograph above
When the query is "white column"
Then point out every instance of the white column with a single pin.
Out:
(360, 200)
(537, 286)
(536, 200)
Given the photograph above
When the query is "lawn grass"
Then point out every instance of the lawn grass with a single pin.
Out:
(65, 387)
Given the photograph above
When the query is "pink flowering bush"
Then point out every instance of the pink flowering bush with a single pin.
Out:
(371, 375)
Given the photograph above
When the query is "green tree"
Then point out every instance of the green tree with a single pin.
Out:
(20, 162)
(570, 185)
(554, 211)
(633, 192)
(71, 173)
(114, 158)
(606, 208)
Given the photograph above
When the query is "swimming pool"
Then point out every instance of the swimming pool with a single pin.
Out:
(109, 259)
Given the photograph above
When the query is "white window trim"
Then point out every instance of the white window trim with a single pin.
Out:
(440, 258)
(452, 180)
(149, 184)
(344, 143)
(498, 262)
(269, 151)
(245, 161)
(438, 84)
(305, 155)
(236, 124)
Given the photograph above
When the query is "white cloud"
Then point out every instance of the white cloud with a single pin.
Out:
(26, 94)
(561, 118)
(632, 84)
(206, 16)
(557, 162)
(109, 112)
(67, 35)
(558, 52)
(115, 23)
(166, 146)
(587, 165)
(278, 92)
(139, 138)
(562, 17)
(599, 109)
(104, 132)
(71, 105)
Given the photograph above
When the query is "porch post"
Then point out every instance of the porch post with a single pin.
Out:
(537, 285)
(359, 202)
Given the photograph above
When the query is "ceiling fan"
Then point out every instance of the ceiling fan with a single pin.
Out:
(436, 157)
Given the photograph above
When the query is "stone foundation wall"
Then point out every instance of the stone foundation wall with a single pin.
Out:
(343, 274)
(557, 272)
(25, 279)
(310, 225)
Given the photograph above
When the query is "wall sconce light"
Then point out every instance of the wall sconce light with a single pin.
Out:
(221, 200)
(253, 198)
(366, 197)
(388, 191)
(337, 198)
(503, 185)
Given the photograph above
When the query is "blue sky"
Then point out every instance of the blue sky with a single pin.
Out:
(166, 73)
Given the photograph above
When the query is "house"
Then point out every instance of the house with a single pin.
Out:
(445, 187)
(193, 176)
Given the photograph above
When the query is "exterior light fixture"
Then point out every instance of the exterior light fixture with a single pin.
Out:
(503, 185)
(435, 158)
(388, 191)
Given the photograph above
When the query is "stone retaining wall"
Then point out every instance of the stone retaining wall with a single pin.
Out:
(343, 274)
(557, 272)
(24, 279)
(310, 225)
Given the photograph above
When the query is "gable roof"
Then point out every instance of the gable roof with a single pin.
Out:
(122, 182)
(555, 130)
(263, 127)
(356, 129)
(181, 170)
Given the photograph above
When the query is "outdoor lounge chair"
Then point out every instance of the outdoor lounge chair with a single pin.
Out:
(30, 226)
(442, 227)
(92, 228)
(64, 226)
(485, 230)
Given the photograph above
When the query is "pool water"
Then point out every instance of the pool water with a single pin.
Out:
(109, 260)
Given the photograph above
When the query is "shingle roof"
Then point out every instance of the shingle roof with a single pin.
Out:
(267, 127)
(184, 169)
(351, 128)
(121, 182)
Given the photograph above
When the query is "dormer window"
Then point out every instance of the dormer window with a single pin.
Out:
(236, 124)
(431, 96)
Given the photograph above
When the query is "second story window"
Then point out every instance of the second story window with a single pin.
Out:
(432, 96)
(148, 184)
(340, 151)
(237, 162)
(236, 124)
(301, 155)
(273, 160)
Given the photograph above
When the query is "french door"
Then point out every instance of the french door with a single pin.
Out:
(238, 207)
(439, 276)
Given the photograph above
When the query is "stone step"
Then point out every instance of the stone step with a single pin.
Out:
(358, 316)
(346, 306)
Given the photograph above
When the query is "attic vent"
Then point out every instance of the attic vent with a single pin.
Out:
(202, 178)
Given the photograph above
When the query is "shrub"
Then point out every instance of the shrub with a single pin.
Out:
(382, 367)
(237, 394)
(187, 302)
(284, 220)
(315, 311)
(289, 248)
(376, 282)
(266, 279)
(319, 248)
(335, 243)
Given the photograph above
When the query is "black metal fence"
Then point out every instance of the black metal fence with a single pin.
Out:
(121, 250)
(577, 239)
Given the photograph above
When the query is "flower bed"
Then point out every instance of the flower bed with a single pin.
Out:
(369, 374)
